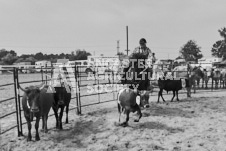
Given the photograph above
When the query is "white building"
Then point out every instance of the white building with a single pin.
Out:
(207, 63)
(104, 63)
(209, 60)
(42, 64)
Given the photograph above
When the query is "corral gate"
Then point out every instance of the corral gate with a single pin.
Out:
(79, 85)
(18, 104)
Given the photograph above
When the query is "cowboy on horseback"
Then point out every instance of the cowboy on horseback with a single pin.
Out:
(149, 58)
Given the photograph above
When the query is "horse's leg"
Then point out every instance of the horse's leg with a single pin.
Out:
(188, 91)
(216, 84)
(198, 81)
(203, 82)
(194, 87)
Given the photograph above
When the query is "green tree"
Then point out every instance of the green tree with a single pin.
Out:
(39, 56)
(3, 53)
(62, 56)
(13, 52)
(191, 51)
(81, 55)
(219, 47)
(222, 32)
(9, 59)
(19, 60)
(30, 59)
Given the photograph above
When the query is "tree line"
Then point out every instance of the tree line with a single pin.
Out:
(11, 57)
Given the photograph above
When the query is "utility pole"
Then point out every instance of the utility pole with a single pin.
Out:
(117, 47)
(127, 49)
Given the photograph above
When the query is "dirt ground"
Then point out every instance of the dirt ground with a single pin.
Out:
(195, 124)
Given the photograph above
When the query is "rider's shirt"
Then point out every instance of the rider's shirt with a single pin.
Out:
(147, 52)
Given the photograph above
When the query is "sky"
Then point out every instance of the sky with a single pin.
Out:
(57, 26)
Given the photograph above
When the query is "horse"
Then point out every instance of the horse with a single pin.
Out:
(192, 74)
(199, 75)
(206, 77)
(216, 76)
(223, 78)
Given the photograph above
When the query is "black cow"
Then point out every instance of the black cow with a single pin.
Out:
(127, 102)
(36, 102)
(171, 85)
(62, 99)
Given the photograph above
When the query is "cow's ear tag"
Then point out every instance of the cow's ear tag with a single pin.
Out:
(138, 100)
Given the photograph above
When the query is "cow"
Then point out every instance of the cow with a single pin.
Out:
(171, 85)
(130, 100)
(62, 97)
(36, 102)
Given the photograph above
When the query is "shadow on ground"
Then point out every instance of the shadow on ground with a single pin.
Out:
(164, 110)
(79, 132)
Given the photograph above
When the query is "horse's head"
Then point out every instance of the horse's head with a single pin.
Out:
(198, 72)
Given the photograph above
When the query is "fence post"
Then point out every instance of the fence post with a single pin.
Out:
(113, 83)
(46, 73)
(79, 100)
(51, 70)
(42, 74)
(76, 88)
(212, 80)
(98, 84)
(21, 131)
(16, 80)
(15, 90)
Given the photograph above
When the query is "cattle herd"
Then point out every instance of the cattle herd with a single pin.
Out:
(37, 101)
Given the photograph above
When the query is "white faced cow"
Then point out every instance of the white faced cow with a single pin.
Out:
(130, 100)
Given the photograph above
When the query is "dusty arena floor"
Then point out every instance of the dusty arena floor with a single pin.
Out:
(196, 124)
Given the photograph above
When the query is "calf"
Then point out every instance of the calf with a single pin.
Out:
(62, 99)
(171, 85)
(128, 102)
(36, 102)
